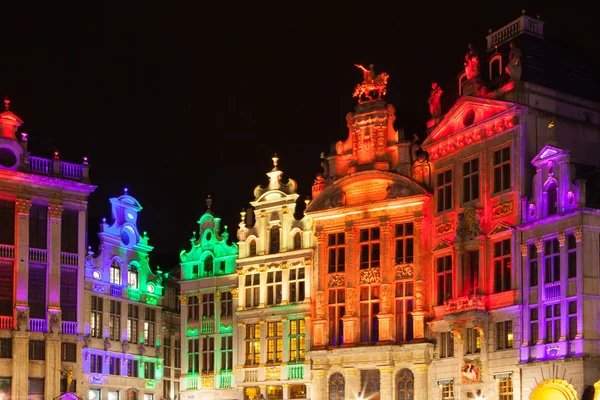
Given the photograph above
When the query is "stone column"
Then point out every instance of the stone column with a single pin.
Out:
(285, 228)
(385, 316)
(240, 291)
(421, 382)
(420, 308)
(285, 285)
(307, 279)
(235, 330)
(20, 362)
(183, 335)
(386, 383)
(263, 234)
(53, 365)
(308, 386)
(263, 287)
(286, 391)
(350, 320)
(352, 256)
(352, 377)
(22, 254)
(580, 273)
(54, 247)
(263, 390)
(321, 262)
(386, 255)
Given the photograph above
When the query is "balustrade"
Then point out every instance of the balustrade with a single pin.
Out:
(250, 375)
(69, 259)
(7, 252)
(6, 322)
(38, 255)
(37, 325)
(69, 328)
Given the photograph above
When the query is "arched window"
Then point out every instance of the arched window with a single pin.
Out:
(495, 66)
(274, 239)
(115, 273)
(337, 387)
(405, 384)
(252, 248)
(133, 278)
(297, 241)
(551, 196)
(208, 265)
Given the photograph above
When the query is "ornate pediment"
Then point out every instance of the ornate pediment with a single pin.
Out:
(442, 244)
(500, 227)
(548, 153)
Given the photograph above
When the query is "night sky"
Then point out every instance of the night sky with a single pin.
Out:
(176, 102)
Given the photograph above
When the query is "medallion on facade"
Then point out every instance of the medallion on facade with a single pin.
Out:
(471, 371)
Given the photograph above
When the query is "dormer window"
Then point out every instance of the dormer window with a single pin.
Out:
(297, 241)
(115, 273)
(133, 278)
(274, 240)
(551, 198)
(252, 250)
(208, 266)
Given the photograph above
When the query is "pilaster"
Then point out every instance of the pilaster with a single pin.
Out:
(421, 382)
(20, 362)
(319, 387)
(183, 333)
(386, 385)
(54, 246)
(352, 376)
(81, 250)
(53, 365)
(22, 252)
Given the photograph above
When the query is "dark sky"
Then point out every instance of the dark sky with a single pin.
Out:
(177, 102)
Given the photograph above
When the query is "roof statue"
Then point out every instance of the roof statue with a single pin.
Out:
(434, 101)
(472, 63)
(373, 86)
(514, 68)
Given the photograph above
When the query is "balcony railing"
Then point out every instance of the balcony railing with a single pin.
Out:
(225, 380)
(295, 372)
(191, 382)
(38, 255)
(37, 325)
(116, 291)
(208, 326)
(250, 375)
(69, 259)
(40, 165)
(7, 252)
(461, 304)
(69, 328)
(6, 322)
(51, 167)
(552, 290)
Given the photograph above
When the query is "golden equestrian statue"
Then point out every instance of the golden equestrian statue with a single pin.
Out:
(373, 86)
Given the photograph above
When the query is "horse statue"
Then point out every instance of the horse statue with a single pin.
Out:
(373, 86)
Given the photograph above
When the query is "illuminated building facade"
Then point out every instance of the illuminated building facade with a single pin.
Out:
(43, 213)
(208, 302)
(122, 354)
(171, 336)
(273, 297)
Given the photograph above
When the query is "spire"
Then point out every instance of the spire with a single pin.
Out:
(6, 104)
(275, 161)
(275, 174)
(208, 204)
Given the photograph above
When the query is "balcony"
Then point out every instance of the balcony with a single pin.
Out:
(6, 322)
(552, 291)
(475, 302)
(295, 372)
(7, 252)
(58, 168)
(116, 291)
(208, 326)
(225, 380)
(37, 325)
(191, 383)
(69, 259)
(250, 374)
(69, 328)
(38, 255)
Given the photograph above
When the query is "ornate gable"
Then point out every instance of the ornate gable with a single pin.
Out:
(442, 244)
(549, 153)
(499, 228)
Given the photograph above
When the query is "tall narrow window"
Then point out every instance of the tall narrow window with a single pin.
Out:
(96, 326)
(551, 198)
(504, 335)
(470, 273)
(473, 342)
(149, 326)
(37, 350)
(69, 232)
(7, 222)
(297, 340)
(405, 384)
(533, 266)
(274, 239)
(133, 369)
(337, 387)
(369, 248)
(177, 354)
(194, 356)
(502, 266)
(208, 355)
(167, 350)
(226, 305)
(252, 344)
(505, 389)
(274, 342)
(533, 326)
(552, 323)
(149, 370)
(193, 308)
(369, 308)
(95, 363)
(114, 365)
(404, 308)
(405, 253)
(208, 305)
(115, 273)
(208, 266)
(444, 191)
(252, 248)
(252, 290)
(571, 256)
(572, 316)
(297, 240)
(68, 293)
(297, 284)
(133, 279)
(444, 279)
(6, 287)
(551, 261)
(337, 309)
(274, 287)
(446, 344)
(227, 353)
(38, 227)
(336, 248)
(37, 290)
(471, 180)
(115, 320)
(501, 165)
(132, 323)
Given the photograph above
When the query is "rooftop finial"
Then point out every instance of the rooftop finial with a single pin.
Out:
(208, 202)
(6, 103)
(523, 11)
(125, 190)
(551, 134)
(275, 161)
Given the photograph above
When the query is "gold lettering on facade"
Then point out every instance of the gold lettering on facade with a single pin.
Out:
(502, 209)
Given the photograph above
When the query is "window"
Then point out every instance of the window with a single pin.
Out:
(37, 290)
(208, 266)
(533, 326)
(533, 266)
(193, 308)
(226, 353)
(95, 394)
(473, 342)
(551, 198)
(444, 191)
(369, 308)
(148, 396)
(133, 278)
(35, 389)
(208, 305)
(115, 320)
(274, 342)
(502, 266)
(297, 339)
(572, 316)
(68, 352)
(446, 344)
(114, 365)
(149, 370)
(113, 395)
(551, 261)
(369, 248)
(405, 252)
(133, 368)
(252, 247)
(336, 248)
(115, 273)
(501, 164)
(167, 347)
(194, 356)
(297, 240)
(222, 267)
(132, 323)
(166, 389)
(448, 391)
(226, 305)
(504, 335)
(444, 279)
(274, 287)
(6, 348)
(7, 222)
(470, 273)
(68, 293)
(252, 344)
(38, 227)
(471, 180)
(252, 290)
(274, 239)
(337, 387)
(37, 350)
(404, 308)
(405, 384)
(95, 363)
(208, 355)
(505, 389)
(177, 354)
(96, 326)
(552, 323)
(5, 387)
(296, 280)
(6, 287)
(337, 309)
(571, 256)
(149, 326)
(370, 383)
(69, 232)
